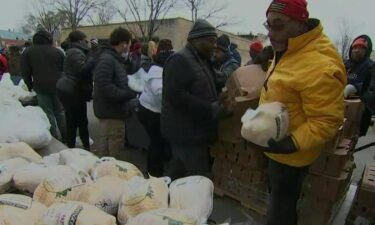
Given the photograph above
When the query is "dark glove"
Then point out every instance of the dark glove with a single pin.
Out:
(285, 146)
(219, 111)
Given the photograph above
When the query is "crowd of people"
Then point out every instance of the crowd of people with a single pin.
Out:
(180, 105)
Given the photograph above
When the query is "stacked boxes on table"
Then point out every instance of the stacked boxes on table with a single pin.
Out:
(329, 177)
(363, 209)
(239, 167)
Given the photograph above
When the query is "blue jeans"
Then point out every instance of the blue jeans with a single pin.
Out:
(52, 106)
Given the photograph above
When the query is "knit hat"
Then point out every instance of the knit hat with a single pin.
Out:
(295, 9)
(256, 47)
(223, 43)
(201, 28)
(94, 42)
(360, 42)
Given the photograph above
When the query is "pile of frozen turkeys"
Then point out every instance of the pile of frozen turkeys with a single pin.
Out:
(74, 187)
(21, 124)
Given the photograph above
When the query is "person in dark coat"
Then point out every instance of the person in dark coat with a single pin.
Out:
(75, 89)
(360, 70)
(234, 52)
(111, 91)
(190, 106)
(224, 61)
(42, 66)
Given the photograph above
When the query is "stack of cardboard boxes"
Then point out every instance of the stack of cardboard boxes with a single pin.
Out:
(239, 167)
(329, 177)
(363, 208)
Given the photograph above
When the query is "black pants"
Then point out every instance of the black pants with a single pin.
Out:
(365, 122)
(76, 118)
(285, 185)
(158, 150)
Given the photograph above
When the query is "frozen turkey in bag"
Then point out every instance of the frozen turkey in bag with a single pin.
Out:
(268, 121)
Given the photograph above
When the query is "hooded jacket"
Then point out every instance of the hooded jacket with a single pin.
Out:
(111, 90)
(309, 79)
(359, 73)
(42, 64)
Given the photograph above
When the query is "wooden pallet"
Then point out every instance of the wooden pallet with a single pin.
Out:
(259, 209)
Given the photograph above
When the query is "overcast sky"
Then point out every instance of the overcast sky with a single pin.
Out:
(249, 15)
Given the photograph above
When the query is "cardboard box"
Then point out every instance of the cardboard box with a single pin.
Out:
(334, 162)
(246, 81)
(252, 156)
(350, 129)
(230, 128)
(354, 109)
(242, 91)
(327, 188)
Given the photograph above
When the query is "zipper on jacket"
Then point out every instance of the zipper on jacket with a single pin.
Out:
(278, 56)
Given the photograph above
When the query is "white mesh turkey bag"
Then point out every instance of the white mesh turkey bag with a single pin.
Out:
(33, 174)
(75, 213)
(267, 121)
(20, 149)
(115, 168)
(79, 159)
(193, 194)
(164, 217)
(7, 170)
(62, 188)
(106, 194)
(143, 196)
(20, 210)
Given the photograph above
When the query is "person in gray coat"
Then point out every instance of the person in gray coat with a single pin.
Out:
(112, 93)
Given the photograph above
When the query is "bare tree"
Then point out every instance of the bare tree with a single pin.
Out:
(77, 10)
(208, 10)
(103, 14)
(344, 42)
(44, 16)
(148, 15)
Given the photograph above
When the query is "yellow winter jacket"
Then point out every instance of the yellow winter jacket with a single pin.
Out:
(309, 79)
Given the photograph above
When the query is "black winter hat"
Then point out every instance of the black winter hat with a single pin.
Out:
(223, 43)
(201, 28)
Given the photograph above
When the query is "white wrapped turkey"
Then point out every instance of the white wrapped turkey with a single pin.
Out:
(75, 213)
(193, 194)
(20, 149)
(34, 174)
(268, 121)
(143, 196)
(79, 159)
(115, 168)
(164, 217)
(106, 194)
(20, 210)
(61, 188)
(7, 170)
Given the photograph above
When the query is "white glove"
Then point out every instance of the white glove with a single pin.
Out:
(349, 90)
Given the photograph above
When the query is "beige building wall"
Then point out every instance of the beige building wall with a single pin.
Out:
(175, 29)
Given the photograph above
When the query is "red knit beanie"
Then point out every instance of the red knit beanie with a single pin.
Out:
(295, 9)
(256, 47)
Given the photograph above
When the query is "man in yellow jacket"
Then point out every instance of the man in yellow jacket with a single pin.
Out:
(308, 76)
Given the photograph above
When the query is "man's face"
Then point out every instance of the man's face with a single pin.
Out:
(358, 53)
(280, 28)
(219, 55)
(206, 46)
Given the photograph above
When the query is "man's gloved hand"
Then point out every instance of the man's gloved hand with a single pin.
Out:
(284, 146)
(219, 111)
(349, 90)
